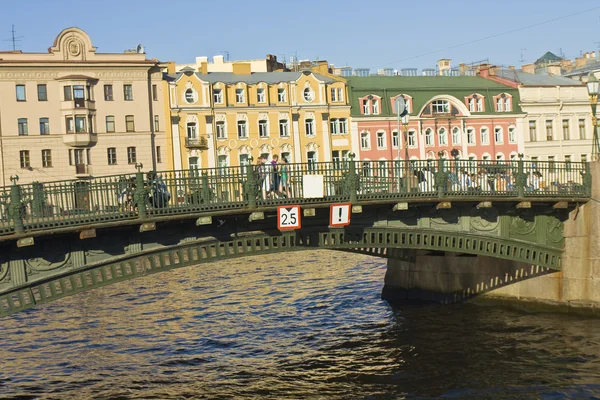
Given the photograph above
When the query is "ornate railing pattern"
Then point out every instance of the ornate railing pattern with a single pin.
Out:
(49, 205)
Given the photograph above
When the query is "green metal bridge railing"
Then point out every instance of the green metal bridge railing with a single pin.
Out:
(51, 205)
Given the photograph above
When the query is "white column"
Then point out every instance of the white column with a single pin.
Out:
(211, 144)
(326, 141)
(296, 138)
(421, 141)
(177, 164)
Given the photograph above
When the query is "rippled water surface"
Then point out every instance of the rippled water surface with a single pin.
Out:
(300, 326)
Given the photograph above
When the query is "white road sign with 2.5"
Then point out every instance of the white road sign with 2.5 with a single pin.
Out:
(288, 217)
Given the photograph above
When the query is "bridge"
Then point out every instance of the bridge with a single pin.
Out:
(65, 237)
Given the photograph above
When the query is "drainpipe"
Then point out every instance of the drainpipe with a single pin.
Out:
(151, 116)
(2, 151)
(560, 107)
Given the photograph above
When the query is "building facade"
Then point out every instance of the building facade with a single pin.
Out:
(558, 122)
(477, 118)
(223, 119)
(73, 113)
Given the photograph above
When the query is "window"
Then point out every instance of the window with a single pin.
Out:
(91, 123)
(532, 131)
(44, 126)
(24, 157)
(335, 157)
(192, 133)
(308, 94)
(582, 129)
(218, 96)
(239, 96)
(23, 129)
(244, 162)
(565, 126)
(156, 125)
(338, 126)
(440, 107)
(455, 136)
(498, 135)
(21, 93)
(470, 136)
(551, 164)
(283, 128)
(221, 130)
(365, 143)
(381, 140)
(479, 105)
(110, 123)
(309, 125)
(375, 105)
(366, 107)
(158, 155)
(129, 123)
(281, 95)
(311, 158)
(485, 136)
(79, 96)
(428, 137)
(568, 162)
(111, 153)
(549, 134)
(42, 93)
(412, 139)
(395, 139)
(263, 129)
(584, 158)
(471, 104)
(285, 155)
(499, 104)
(241, 129)
(222, 162)
(155, 92)
(194, 162)
(190, 96)
(46, 158)
(337, 95)
(128, 92)
(131, 155)
(507, 105)
(108, 93)
(512, 135)
(443, 137)
(260, 96)
(68, 93)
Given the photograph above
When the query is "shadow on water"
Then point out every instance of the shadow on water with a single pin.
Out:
(289, 328)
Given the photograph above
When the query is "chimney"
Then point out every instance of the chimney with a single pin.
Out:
(528, 68)
(218, 59)
(203, 68)
(554, 70)
(484, 71)
(171, 67)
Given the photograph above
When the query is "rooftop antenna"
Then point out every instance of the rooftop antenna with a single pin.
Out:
(14, 39)
(226, 53)
(522, 59)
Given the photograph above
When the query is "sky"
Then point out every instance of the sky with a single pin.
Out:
(363, 34)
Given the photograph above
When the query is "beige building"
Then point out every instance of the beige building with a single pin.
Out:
(73, 113)
(219, 64)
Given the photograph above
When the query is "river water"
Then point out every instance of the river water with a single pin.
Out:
(306, 325)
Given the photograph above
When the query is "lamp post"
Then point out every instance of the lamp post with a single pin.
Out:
(402, 114)
(593, 87)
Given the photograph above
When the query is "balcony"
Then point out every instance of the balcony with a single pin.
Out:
(81, 139)
(200, 143)
(83, 171)
(78, 104)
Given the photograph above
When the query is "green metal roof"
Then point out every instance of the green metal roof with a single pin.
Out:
(423, 88)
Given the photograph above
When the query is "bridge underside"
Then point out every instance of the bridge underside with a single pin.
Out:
(62, 265)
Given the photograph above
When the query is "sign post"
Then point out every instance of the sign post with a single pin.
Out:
(288, 218)
(339, 214)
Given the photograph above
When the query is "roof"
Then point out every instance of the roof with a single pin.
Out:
(423, 88)
(253, 78)
(548, 57)
(537, 79)
(591, 67)
(423, 82)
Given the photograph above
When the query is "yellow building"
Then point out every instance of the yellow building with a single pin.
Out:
(221, 119)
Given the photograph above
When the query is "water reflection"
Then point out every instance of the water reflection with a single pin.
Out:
(309, 325)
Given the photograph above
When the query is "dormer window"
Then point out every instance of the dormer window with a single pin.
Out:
(407, 103)
(375, 105)
(366, 106)
(370, 105)
(474, 103)
(440, 107)
(503, 102)
(239, 96)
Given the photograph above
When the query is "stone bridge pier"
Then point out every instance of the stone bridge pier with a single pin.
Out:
(446, 277)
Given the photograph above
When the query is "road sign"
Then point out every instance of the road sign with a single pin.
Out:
(339, 214)
(288, 217)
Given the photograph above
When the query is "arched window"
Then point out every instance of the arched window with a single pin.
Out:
(192, 133)
(428, 137)
(455, 136)
(443, 137)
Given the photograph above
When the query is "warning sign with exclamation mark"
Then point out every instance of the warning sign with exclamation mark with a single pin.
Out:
(339, 214)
